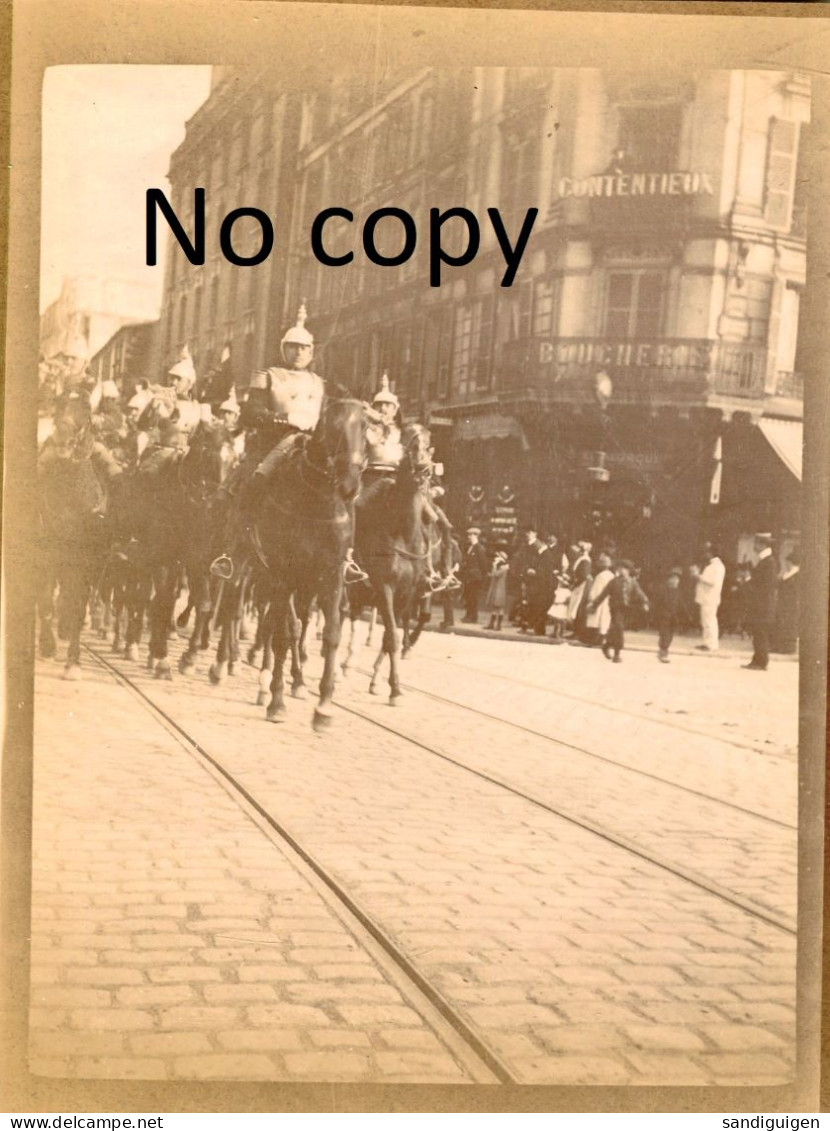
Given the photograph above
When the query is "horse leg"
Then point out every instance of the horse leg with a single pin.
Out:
(219, 668)
(330, 604)
(200, 601)
(76, 593)
(276, 708)
(165, 600)
(233, 640)
(298, 690)
(264, 630)
(392, 642)
(351, 644)
(137, 599)
(259, 639)
(373, 616)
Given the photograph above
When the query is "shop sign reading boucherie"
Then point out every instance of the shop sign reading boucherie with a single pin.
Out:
(689, 354)
(638, 184)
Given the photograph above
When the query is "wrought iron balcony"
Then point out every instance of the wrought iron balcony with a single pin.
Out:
(668, 370)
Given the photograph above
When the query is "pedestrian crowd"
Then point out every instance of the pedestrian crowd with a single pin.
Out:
(589, 596)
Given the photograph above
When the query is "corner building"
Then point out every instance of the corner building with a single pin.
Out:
(639, 383)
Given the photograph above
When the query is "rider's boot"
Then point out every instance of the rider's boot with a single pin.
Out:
(251, 494)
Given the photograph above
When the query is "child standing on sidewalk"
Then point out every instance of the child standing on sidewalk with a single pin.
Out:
(559, 609)
(667, 611)
(497, 591)
(622, 591)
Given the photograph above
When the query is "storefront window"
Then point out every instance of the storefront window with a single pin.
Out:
(634, 304)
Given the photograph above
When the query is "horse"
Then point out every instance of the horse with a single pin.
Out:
(394, 547)
(303, 532)
(171, 520)
(72, 505)
(203, 473)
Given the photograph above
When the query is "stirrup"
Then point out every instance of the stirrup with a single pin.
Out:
(352, 572)
(436, 583)
(452, 582)
(222, 567)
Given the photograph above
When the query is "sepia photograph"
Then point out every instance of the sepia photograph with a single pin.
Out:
(417, 572)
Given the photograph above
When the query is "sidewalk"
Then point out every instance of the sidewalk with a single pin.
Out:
(642, 640)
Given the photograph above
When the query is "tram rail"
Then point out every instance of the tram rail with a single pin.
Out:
(767, 914)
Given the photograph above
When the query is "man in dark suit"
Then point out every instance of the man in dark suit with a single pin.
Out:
(760, 599)
(473, 573)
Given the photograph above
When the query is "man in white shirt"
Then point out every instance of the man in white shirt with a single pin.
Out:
(708, 588)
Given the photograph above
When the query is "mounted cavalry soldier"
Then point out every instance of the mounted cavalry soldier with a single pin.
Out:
(385, 451)
(280, 404)
(171, 418)
(383, 434)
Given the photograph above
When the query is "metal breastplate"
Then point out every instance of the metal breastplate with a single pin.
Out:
(296, 395)
(383, 446)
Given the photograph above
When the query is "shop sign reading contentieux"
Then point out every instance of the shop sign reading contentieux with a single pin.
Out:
(638, 184)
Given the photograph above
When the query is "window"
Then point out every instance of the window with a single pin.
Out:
(513, 316)
(650, 136)
(798, 226)
(483, 360)
(543, 309)
(520, 167)
(197, 310)
(462, 348)
(183, 320)
(472, 346)
(788, 329)
(437, 345)
(782, 146)
(214, 302)
(634, 304)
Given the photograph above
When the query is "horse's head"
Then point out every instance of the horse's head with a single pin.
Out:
(72, 415)
(417, 445)
(210, 455)
(339, 442)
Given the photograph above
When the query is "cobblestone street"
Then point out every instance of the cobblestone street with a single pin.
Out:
(554, 870)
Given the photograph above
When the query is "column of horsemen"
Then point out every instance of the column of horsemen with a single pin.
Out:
(231, 494)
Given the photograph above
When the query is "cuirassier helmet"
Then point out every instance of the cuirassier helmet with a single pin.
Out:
(184, 370)
(384, 395)
(298, 335)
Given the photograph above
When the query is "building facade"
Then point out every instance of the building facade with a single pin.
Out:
(241, 147)
(89, 311)
(639, 382)
(130, 356)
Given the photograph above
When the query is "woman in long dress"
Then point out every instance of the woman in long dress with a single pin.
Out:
(580, 580)
(598, 620)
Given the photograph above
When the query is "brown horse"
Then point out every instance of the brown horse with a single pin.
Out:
(394, 545)
(168, 513)
(303, 533)
(73, 528)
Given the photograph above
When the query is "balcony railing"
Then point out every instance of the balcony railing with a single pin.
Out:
(668, 369)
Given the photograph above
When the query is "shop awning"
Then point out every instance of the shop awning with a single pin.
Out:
(786, 437)
(490, 426)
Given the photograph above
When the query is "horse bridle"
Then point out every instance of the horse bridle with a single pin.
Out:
(329, 471)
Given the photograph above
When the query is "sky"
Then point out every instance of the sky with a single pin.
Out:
(108, 132)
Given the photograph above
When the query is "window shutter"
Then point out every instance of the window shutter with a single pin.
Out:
(782, 146)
